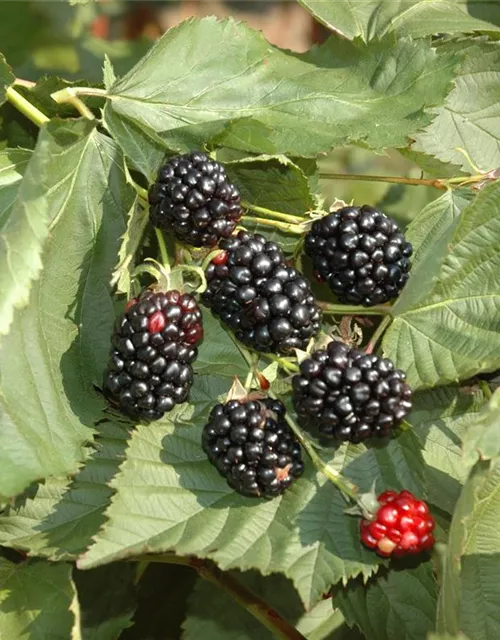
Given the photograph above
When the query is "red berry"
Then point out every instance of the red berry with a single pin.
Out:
(156, 322)
(401, 526)
(194, 334)
(221, 258)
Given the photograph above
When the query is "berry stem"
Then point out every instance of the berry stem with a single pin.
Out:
(284, 363)
(257, 607)
(437, 183)
(163, 249)
(378, 334)
(284, 226)
(25, 107)
(345, 309)
(348, 488)
(270, 213)
(486, 389)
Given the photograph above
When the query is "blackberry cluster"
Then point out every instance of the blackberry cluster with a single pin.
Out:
(153, 347)
(193, 198)
(349, 395)
(252, 447)
(361, 253)
(268, 304)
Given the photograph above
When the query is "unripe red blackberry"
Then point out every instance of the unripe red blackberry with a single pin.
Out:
(154, 345)
(268, 304)
(193, 197)
(346, 394)
(402, 525)
(252, 446)
(361, 253)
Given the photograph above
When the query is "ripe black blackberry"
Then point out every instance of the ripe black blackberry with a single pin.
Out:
(361, 253)
(268, 304)
(252, 446)
(193, 197)
(349, 395)
(154, 344)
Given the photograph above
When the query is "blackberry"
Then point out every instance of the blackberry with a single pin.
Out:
(268, 304)
(252, 446)
(349, 395)
(193, 198)
(361, 253)
(153, 347)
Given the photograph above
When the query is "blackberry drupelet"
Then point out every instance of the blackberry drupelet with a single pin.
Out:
(252, 446)
(153, 347)
(361, 253)
(268, 304)
(193, 197)
(349, 395)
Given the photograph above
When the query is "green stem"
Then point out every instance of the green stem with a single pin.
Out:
(348, 488)
(438, 183)
(378, 334)
(285, 364)
(345, 309)
(486, 389)
(257, 607)
(284, 226)
(163, 249)
(25, 107)
(66, 95)
(270, 213)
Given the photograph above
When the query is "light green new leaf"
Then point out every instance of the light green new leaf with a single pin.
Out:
(214, 615)
(470, 590)
(374, 18)
(57, 347)
(230, 84)
(470, 117)
(440, 419)
(399, 605)
(6, 78)
(168, 496)
(451, 332)
(35, 599)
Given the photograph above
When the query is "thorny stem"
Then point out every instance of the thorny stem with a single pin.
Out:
(378, 334)
(257, 607)
(284, 226)
(270, 213)
(25, 107)
(437, 183)
(344, 309)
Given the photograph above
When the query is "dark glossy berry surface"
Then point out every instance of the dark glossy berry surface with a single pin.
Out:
(268, 304)
(153, 347)
(402, 525)
(251, 445)
(345, 394)
(361, 254)
(193, 197)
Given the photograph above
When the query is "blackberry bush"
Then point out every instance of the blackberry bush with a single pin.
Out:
(346, 394)
(361, 253)
(193, 197)
(267, 303)
(251, 445)
(154, 346)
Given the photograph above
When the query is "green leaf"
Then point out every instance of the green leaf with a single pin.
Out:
(398, 605)
(449, 333)
(470, 117)
(469, 594)
(483, 437)
(218, 354)
(35, 599)
(57, 347)
(214, 615)
(231, 77)
(168, 496)
(137, 221)
(6, 78)
(106, 600)
(440, 419)
(374, 18)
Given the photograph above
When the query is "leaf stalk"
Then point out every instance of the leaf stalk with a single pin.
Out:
(25, 107)
(270, 213)
(276, 224)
